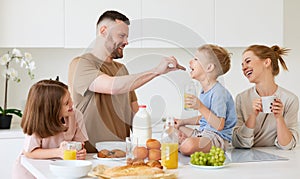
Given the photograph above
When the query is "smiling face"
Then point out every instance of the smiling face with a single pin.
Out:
(66, 105)
(253, 67)
(198, 65)
(117, 39)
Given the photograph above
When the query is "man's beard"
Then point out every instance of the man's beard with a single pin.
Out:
(117, 53)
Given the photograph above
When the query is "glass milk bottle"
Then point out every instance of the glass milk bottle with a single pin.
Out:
(141, 125)
(169, 148)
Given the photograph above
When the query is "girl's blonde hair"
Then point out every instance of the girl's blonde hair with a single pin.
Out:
(275, 53)
(42, 110)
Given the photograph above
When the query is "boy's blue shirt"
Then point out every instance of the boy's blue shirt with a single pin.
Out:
(219, 101)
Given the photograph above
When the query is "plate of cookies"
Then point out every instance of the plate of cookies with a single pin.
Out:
(111, 150)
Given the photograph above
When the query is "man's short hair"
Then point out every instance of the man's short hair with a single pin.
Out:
(113, 15)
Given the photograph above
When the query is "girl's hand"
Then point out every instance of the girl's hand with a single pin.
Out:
(256, 106)
(81, 154)
(277, 108)
(62, 148)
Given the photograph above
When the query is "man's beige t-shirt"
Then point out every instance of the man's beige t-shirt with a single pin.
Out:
(107, 117)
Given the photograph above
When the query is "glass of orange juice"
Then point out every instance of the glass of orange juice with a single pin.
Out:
(190, 89)
(70, 152)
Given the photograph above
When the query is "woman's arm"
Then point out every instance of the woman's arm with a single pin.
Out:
(286, 116)
(243, 136)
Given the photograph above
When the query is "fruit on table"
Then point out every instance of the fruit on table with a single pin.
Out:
(215, 157)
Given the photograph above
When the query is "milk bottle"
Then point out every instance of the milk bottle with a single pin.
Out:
(141, 125)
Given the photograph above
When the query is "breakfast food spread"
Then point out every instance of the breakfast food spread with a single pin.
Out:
(115, 153)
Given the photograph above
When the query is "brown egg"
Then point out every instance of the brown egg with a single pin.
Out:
(153, 144)
(140, 152)
(154, 154)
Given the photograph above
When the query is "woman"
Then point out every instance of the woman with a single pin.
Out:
(255, 128)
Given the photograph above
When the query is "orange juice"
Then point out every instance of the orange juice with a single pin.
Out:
(185, 106)
(169, 155)
(70, 155)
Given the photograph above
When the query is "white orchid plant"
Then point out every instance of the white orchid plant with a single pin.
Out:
(24, 61)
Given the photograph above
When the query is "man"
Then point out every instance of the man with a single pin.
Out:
(102, 88)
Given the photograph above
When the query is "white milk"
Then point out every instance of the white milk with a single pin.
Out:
(141, 125)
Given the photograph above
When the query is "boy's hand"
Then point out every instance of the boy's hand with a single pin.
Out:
(178, 123)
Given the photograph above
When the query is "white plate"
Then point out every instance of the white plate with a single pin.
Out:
(105, 159)
(207, 167)
(110, 145)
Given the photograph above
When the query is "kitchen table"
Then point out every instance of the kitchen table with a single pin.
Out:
(287, 166)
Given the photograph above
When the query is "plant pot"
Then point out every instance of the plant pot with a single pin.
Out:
(5, 121)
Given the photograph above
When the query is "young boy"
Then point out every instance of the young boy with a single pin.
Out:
(215, 104)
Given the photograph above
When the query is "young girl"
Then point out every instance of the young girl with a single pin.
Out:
(215, 104)
(49, 121)
(255, 128)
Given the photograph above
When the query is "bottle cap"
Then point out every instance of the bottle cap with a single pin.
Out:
(142, 106)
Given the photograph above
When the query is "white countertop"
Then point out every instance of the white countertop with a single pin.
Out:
(250, 170)
(15, 131)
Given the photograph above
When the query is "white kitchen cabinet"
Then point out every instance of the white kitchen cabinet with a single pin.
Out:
(11, 142)
(242, 23)
(177, 23)
(32, 23)
(81, 17)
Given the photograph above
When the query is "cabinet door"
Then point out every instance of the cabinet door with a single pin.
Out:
(32, 23)
(10, 149)
(177, 23)
(242, 23)
(81, 17)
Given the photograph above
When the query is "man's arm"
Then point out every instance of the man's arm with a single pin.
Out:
(122, 84)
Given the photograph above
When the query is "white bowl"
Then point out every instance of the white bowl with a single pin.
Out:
(110, 145)
(70, 168)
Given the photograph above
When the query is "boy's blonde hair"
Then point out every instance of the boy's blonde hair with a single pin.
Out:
(217, 55)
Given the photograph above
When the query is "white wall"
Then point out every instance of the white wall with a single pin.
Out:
(53, 62)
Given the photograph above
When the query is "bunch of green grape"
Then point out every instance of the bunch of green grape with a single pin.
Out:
(215, 157)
